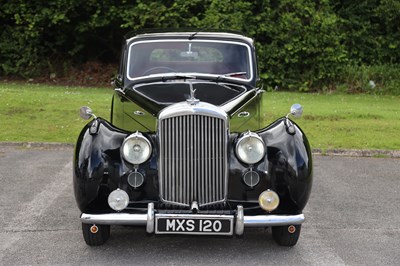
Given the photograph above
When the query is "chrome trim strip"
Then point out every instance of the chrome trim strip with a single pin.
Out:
(273, 220)
(197, 216)
(114, 218)
(229, 106)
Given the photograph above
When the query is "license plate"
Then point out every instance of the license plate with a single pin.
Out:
(194, 224)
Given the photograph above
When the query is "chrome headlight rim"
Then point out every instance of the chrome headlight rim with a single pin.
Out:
(245, 137)
(137, 136)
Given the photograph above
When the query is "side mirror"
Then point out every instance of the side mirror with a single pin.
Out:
(86, 113)
(296, 110)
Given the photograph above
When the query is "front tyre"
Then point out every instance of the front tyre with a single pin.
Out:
(95, 235)
(286, 235)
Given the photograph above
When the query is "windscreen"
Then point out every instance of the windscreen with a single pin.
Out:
(183, 56)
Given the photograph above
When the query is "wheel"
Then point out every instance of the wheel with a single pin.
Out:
(95, 235)
(286, 235)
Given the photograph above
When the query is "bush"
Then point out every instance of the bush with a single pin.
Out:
(302, 49)
(378, 79)
(40, 36)
(302, 44)
(372, 30)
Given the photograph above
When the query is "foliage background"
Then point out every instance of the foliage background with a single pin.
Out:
(302, 44)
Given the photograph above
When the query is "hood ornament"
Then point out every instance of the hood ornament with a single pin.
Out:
(192, 100)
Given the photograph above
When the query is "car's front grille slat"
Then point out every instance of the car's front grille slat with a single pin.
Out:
(193, 159)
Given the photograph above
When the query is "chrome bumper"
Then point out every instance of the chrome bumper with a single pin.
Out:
(241, 220)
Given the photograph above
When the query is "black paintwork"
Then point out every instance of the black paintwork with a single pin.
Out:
(169, 93)
(155, 104)
(99, 169)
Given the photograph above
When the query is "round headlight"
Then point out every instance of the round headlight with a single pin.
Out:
(136, 149)
(118, 200)
(268, 200)
(250, 148)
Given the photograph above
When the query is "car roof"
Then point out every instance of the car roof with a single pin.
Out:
(135, 36)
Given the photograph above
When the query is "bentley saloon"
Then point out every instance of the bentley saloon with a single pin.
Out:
(186, 149)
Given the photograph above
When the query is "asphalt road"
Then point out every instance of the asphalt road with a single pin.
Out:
(353, 218)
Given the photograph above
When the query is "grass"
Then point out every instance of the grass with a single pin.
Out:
(334, 121)
(40, 113)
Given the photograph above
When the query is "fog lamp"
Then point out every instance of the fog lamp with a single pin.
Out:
(268, 200)
(118, 200)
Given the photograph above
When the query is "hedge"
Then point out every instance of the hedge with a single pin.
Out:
(302, 44)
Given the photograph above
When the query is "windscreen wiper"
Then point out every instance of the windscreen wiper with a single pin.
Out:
(177, 76)
(191, 37)
(235, 74)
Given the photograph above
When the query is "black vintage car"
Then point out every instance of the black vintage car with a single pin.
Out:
(186, 150)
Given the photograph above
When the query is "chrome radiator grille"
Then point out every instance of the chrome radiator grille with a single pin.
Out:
(193, 159)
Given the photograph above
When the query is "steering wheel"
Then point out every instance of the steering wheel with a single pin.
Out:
(157, 70)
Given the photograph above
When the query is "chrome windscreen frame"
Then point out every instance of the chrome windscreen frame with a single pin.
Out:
(251, 70)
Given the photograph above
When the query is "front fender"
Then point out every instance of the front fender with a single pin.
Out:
(286, 169)
(290, 163)
(96, 158)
